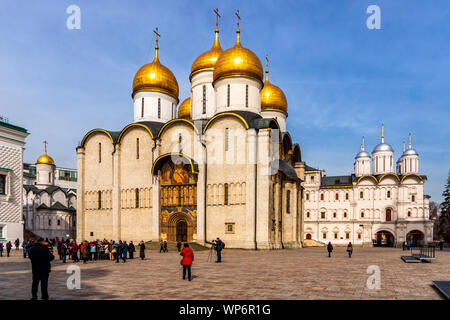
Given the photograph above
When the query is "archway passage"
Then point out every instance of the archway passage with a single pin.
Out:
(415, 237)
(384, 239)
(182, 231)
(308, 236)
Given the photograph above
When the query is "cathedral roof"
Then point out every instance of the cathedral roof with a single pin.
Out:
(49, 190)
(336, 181)
(56, 206)
(286, 168)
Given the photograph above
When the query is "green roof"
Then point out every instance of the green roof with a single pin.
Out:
(7, 125)
(6, 169)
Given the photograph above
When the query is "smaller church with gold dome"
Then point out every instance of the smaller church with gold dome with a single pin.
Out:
(219, 164)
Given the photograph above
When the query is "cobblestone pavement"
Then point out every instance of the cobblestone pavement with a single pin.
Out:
(282, 274)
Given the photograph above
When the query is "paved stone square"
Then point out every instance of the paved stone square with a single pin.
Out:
(282, 274)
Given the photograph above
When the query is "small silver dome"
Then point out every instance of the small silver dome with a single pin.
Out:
(382, 147)
(410, 152)
(362, 154)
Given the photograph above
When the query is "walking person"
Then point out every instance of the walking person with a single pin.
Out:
(188, 258)
(179, 246)
(93, 251)
(17, 243)
(349, 249)
(1, 249)
(165, 246)
(124, 251)
(24, 248)
(142, 249)
(40, 257)
(118, 249)
(8, 248)
(441, 245)
(131, 248)
(63, 253)
(75, 252)
(161, 246)
(329, 249)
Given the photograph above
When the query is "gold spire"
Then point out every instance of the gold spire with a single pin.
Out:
(382, 133)
(207, 60)
(409, 145)
(238, 31)
(362, 144)
(45, 159)
(156, 46)
(403, 146)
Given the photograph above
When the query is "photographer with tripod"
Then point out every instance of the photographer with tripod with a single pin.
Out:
(217, 245)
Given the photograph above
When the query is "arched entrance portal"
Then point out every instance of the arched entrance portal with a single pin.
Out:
(178, 197)
(308, 236)
(181, 231)
(415, 237)
(180, 228)
(384, 239)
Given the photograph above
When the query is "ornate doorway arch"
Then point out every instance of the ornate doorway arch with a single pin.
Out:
(384, 238)
(180, 227)
(415, 237)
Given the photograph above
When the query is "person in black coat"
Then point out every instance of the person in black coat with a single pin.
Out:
(8, 248)
(179, 246)
(1, 249)
(40, 257)
(329, 249)
(131, 249)
(142, 250)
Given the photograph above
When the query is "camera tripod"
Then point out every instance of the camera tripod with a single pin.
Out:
(211, 254)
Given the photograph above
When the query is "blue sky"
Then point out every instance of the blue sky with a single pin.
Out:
(341, 79)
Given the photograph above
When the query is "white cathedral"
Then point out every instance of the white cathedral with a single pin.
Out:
(223, 166)
(379, 204)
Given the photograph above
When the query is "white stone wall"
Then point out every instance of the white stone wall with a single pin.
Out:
(238, 94)
(199, 80)
(11, 157)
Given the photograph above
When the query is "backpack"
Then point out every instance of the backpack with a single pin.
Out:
(223, 245)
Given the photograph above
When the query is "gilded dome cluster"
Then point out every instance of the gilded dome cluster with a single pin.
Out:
(208, 59)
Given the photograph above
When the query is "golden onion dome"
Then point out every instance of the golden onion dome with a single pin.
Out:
(238, 62)
(207, 60)
(272, 97)
(45, 158)
(184, 110)
(155, 77)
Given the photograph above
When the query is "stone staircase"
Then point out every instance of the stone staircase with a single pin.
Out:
(172, 246)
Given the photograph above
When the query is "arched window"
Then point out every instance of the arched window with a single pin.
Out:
(58, 222)
(226, 194)
(361, 195)
(321, 196)
(322, 215)
(346, 196)
(204, 99)
(362, 214)
(246, 95)
(307, 214)
(288, 201)
(334, 214)
(409, 213)
(137, 148)
(324, 235)
(388, 214)
(307, 196)
(337, 196)
(228, 95)
(335, 235)
(99, 152)
(227, 137)
(142, 108)
(137, 197)
(159, 108)
(345, 214)
(413, 198)
(99, 199)
(388, 194)
(180, 143)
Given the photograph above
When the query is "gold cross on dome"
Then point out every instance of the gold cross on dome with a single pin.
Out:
(238, 17)
(157, 35)
(45, 146)
(216, 11)
(267, 61)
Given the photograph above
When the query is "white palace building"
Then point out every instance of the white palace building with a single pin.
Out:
(378, 204)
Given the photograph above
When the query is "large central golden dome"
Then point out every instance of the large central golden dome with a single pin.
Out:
(155, 77)
(207, 60)
(272, 97)
(184, 110)
(238, 62)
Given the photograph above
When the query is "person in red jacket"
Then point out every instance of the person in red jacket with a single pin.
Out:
(188, 258)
